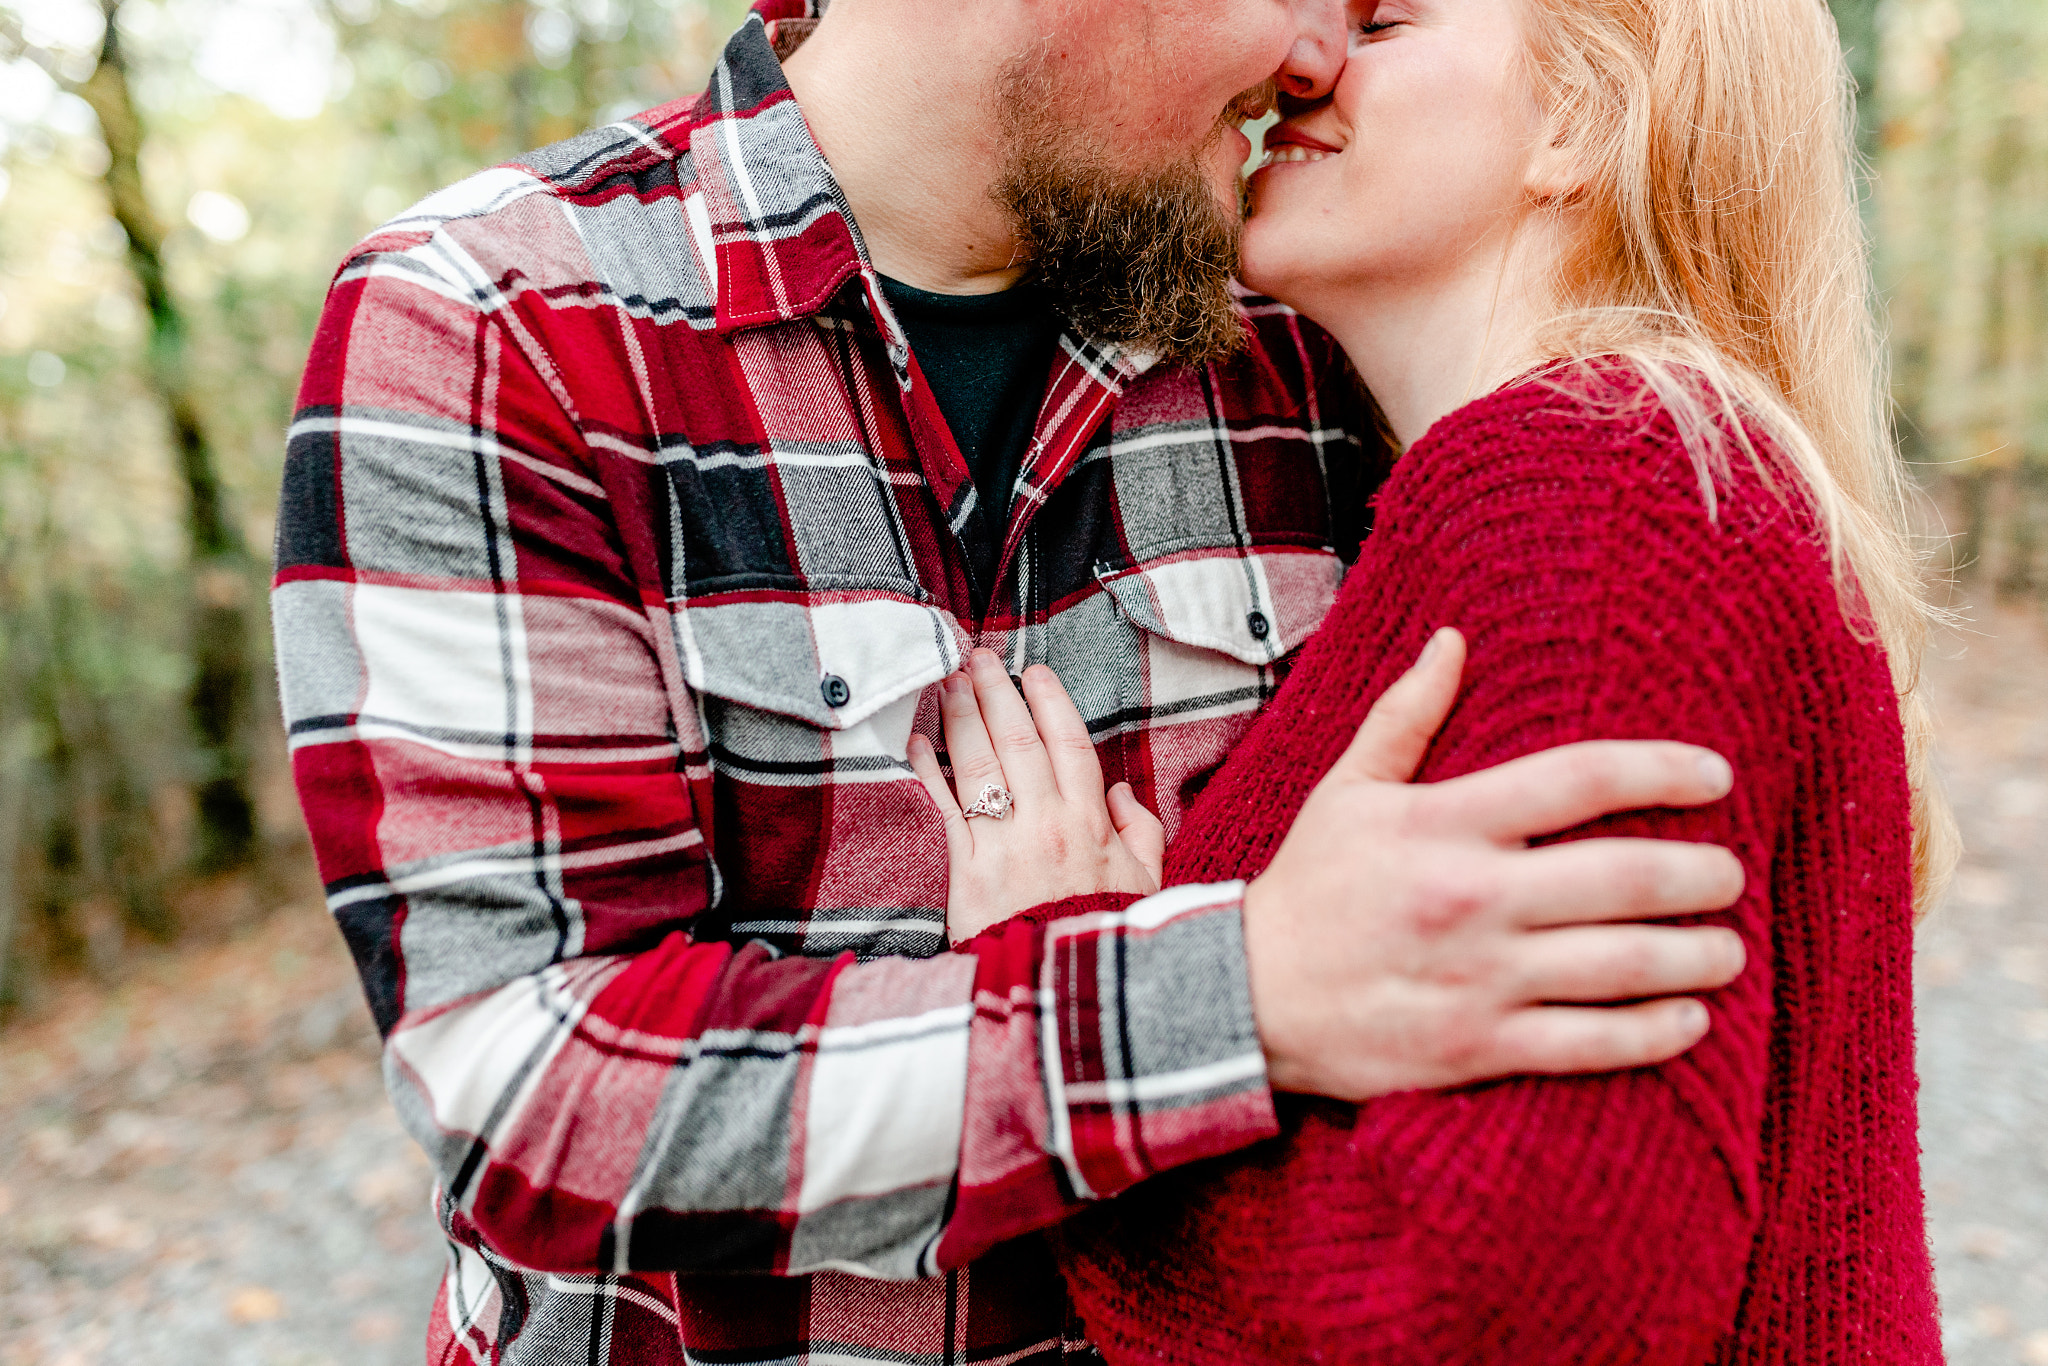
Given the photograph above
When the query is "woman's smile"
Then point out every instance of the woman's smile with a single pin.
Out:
(1287, 145)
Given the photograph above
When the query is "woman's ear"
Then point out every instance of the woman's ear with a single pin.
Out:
(1554, 177)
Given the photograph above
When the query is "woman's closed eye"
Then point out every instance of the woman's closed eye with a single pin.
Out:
(1383, 17)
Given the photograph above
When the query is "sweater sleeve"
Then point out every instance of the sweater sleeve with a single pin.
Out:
(1537, 1220)
(1607, 1217)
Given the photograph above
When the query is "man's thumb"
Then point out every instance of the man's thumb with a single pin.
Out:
(1396, 733)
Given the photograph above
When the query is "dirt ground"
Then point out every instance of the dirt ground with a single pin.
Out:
(1983, 999)
(198, 1168)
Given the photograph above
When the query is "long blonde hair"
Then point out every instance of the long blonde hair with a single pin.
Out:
(1715, 240)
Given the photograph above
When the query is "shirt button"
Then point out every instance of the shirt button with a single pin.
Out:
(1257, 624)
(836, 693)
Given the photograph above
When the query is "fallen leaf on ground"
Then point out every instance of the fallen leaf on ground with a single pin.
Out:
(1985, 1242)
(377, 1326)
(1993, 1320)
(105, 1226)
(255, 1304)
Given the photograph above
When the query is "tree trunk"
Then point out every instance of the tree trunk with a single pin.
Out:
(222, 688)
(13, 801)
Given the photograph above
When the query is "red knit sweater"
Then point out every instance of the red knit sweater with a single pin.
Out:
(1757, 1200)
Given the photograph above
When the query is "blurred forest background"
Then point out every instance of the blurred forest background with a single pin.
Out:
(177, 180)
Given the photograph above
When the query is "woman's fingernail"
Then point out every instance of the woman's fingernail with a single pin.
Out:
(1693, 1015)
(1429, 651)
(953, 684)
(1714, 769)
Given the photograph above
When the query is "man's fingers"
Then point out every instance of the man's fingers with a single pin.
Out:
(1065, 736)
(1563, 1039)
(1624, 962)
(1585, 882)
(1027, 771)
(1541, 794)
(1396, 733)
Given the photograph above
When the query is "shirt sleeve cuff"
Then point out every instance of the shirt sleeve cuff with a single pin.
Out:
(1152, 1055)
(1047, 913)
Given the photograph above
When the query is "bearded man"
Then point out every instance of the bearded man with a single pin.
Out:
(641, 491)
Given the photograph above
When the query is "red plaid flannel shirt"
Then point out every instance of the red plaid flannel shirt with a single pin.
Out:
(619, 548)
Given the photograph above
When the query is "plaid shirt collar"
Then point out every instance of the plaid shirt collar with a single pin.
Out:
(788, 256)
(787, 259)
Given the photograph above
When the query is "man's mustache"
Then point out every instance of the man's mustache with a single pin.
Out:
(1255, 103)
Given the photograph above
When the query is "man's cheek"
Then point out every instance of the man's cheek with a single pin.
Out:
(1225, 161)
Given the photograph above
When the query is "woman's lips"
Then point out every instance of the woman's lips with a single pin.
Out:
(1286, 145)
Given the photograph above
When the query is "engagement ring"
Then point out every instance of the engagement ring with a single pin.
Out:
(994, 802)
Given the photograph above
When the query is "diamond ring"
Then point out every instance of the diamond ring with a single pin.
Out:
(994, 802)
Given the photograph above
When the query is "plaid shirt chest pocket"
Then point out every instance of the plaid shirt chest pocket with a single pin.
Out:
(1208, 625)
(807, 698)
(1202, 635)
(1252, 606)
(1219, 564)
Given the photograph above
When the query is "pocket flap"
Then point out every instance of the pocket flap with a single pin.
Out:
(1254, 606)
(832, 659)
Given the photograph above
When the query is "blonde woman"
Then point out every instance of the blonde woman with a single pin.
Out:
(1600, 263)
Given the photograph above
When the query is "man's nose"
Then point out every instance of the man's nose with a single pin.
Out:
(1321, 34)
(1289, 106)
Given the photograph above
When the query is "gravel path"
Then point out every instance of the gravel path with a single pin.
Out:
(199, 1169)
(1983, 1000)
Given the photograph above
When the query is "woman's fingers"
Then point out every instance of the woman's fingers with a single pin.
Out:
(1139, 829)
(967, 913)
(1027, 770)
(1068, 746)
(924, 762)
(1396, 733)
(967, 740)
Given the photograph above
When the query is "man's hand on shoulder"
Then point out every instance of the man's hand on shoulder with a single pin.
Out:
(1405, 936)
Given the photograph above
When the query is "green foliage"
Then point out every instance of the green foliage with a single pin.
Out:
(91, 676)
(1962, 219)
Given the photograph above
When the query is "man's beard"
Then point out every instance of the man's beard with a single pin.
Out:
(1142, 258)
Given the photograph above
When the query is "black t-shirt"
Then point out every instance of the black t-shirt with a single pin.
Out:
(986, 357)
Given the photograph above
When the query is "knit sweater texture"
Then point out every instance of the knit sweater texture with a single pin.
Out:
(1756, 1200)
